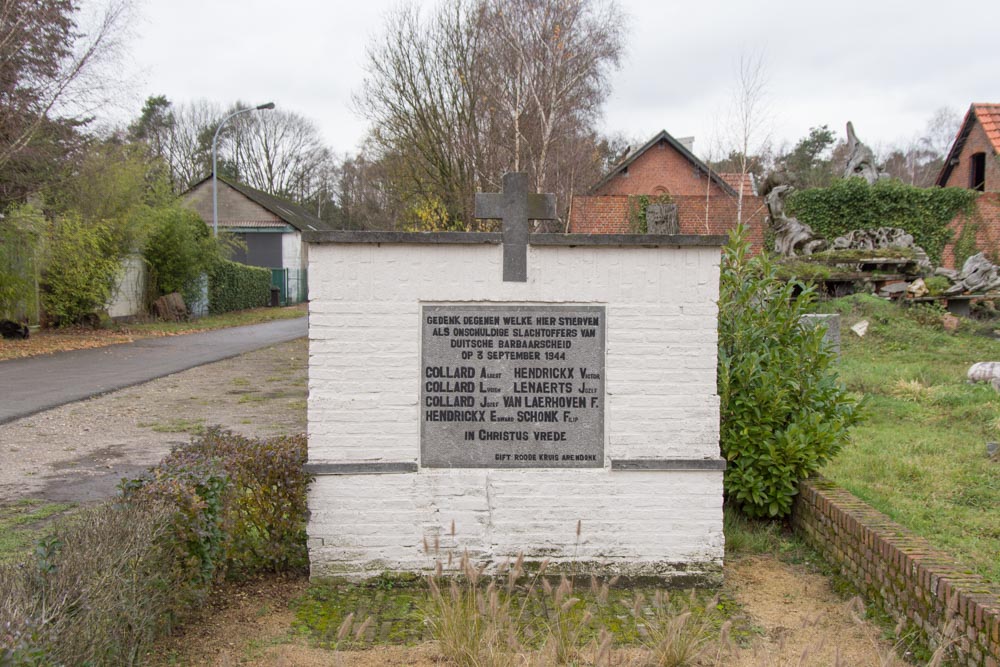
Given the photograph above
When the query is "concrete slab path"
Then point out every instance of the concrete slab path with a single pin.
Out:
(35, 384)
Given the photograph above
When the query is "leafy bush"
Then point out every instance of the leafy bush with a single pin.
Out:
(81, 269)
(240, 502)
(783, 412)
(21, 235)
(853, 204)
(179, 251)
(235, 286)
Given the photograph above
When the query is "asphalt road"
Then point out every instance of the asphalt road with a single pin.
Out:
(35, 384)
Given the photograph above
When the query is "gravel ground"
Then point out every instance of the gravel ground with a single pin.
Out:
(79, 452)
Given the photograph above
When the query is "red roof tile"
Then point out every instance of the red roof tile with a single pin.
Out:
(734, 179)
(989, 117)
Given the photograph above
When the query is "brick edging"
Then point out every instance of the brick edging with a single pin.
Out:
(901, 572)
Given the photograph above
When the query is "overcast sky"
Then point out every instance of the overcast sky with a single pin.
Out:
(885, 65)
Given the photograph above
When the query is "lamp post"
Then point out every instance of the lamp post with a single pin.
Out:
(215, 186)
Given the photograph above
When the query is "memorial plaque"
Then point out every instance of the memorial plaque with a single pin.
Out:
(512, 386)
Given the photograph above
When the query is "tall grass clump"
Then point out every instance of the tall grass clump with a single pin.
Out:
(784, 414)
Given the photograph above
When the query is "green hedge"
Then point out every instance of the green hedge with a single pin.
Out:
(853, 204)
(235, 286)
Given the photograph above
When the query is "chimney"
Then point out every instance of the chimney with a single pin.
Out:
(687, 142)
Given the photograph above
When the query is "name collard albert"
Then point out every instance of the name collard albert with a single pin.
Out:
(512, 386)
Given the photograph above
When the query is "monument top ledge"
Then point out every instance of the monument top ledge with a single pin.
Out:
(495, 238)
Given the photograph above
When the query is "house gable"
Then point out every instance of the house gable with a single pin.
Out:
(662, 166)
(236, 210)
(974, 157)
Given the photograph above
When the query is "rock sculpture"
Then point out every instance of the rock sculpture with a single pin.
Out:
(791, 237)
(860, 159)
(883, 237)
(978, 275)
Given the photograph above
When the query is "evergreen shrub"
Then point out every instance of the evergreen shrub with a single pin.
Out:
(784, 414)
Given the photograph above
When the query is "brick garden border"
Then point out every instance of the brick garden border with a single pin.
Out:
(901, 572)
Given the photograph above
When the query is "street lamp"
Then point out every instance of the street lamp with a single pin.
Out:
(215, 186)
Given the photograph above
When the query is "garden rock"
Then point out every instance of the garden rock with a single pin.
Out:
(978, 275)
(861, 328)
(170, 308)
(984, 371)
(917, 288)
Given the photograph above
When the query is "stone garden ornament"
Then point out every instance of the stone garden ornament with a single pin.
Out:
(791, 237)
(860, 159)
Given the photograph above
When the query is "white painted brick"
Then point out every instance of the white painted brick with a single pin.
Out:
(661, 402)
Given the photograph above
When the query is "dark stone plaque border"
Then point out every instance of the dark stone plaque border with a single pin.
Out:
(361, 468)
(668, 464)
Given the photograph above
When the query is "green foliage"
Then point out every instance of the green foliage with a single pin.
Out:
(965, 244)
(808, 165)
(179, 251)
(235, 286)
(853, 204)
(239, 503)
(936, 284)
(637, 206)
(21, 237)
(81, 269)
(783, 412)
(114, 185)
(919, 457)
(264, 522)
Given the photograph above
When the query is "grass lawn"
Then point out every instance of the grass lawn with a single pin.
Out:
(223, 321)
(22, 523)
(920, 454)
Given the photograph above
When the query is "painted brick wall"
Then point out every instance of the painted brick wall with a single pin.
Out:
(977, 142)
(660, 169)
(609, 214)
(986, 217)
(661, 402)
(902, 572)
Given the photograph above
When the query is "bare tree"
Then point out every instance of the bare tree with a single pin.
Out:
(180, 135)
(279, 152)
(53, 68)
(482, 87)
(749, 118)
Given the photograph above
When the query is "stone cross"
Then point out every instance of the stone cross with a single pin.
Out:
(515, 206)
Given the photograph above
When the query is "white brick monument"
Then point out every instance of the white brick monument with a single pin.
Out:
(514, 385)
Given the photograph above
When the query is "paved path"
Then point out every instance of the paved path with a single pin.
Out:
(34, 384)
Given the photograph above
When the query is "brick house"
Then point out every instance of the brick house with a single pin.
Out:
(269, 228)
(974, 163)
(665, 167)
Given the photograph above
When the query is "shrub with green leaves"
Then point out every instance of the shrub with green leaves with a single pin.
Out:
(21, 237)
(852, 203)
(240, 502)
(180, 250)
(784, 414)
(81, 269)
(235, 286)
